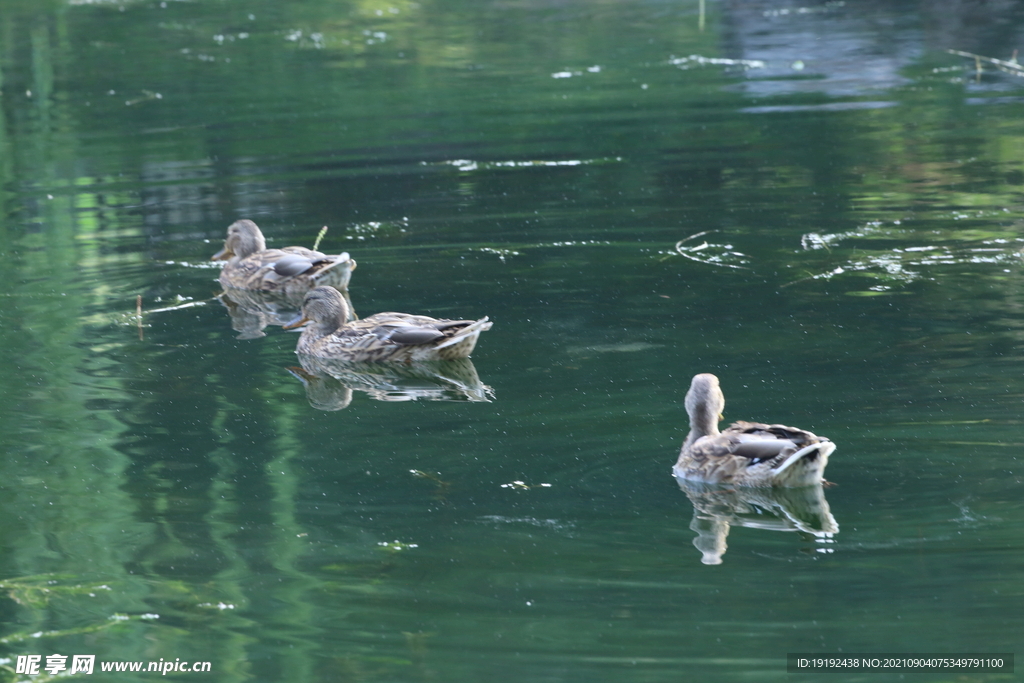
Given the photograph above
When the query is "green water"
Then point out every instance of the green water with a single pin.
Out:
(184, 495)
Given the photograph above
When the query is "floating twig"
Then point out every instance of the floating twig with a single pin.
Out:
(838, 270)
(138, 314)
(190, 304)
(146, 96)
(1010, 67)
(187, 304)
(323, 231)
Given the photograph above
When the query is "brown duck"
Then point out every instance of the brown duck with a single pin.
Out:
(380, 337)
(290, 271)
(746, 453)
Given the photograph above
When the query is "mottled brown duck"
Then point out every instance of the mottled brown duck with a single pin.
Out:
(746, 453)
(382, 336)
(291, 271)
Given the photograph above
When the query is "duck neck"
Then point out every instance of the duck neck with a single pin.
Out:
(703, 422)
(314, 332)
(322, 328)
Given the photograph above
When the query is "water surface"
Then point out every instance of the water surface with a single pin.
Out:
(551, 166)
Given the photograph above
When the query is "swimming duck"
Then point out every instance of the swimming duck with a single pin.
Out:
(291, 271)
(746, 453)
(380, 337)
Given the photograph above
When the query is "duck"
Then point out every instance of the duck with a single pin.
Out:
(380, 337)
(746, 453)
(289, 272)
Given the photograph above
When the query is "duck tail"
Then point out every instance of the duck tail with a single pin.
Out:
(338, 260)
(804, 467)
(471, 330)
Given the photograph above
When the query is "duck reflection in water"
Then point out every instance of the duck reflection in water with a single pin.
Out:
(717, 508)
(330, 383)
(252, 312)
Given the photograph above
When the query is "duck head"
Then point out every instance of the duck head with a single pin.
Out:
(244, 238)
(325, 308)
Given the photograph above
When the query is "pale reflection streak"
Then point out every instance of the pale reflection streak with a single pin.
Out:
(466, 165)
(716, 509)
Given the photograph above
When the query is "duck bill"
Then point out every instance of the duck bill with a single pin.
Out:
(222, 255)
(297, 322)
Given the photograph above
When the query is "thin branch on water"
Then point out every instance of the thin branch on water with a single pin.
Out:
(837, 271)
(1010, 67)
(138, 314)
(323, 231)
(189, 304)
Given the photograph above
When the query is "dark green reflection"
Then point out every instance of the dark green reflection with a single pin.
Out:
(830, 225)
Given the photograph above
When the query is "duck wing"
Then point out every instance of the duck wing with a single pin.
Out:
(404, 329)
(291, 265)
(294, 261)
(764, 443)
(412, 333)
(753, 443)
(408, 334)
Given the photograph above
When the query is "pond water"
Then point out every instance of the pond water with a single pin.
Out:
(818, 203)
